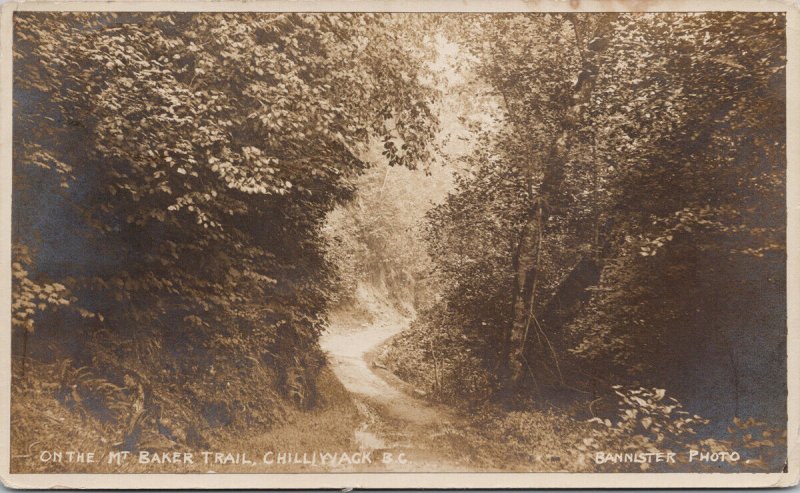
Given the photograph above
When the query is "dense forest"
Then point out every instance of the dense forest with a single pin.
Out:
(621, 230)
(582, 217)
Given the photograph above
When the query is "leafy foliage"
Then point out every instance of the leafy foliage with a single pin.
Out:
(29, 297)
(173, 171)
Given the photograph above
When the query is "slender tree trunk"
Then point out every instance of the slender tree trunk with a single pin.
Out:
(523, 290)
(502, 367)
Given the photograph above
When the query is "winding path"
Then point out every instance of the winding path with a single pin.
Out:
(393, 419)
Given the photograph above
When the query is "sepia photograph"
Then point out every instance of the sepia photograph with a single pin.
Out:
(330, 243)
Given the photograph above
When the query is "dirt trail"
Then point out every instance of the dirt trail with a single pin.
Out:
(394, 420)
(348, 348)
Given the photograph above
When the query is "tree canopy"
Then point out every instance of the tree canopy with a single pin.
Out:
(635, 187)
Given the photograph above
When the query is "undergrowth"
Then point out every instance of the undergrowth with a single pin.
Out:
(51, 417)
(548, 438)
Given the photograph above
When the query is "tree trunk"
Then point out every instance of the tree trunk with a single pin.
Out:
(524, 289)
(529, 258)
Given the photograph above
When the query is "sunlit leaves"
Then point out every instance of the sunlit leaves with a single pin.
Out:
(29, 297)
